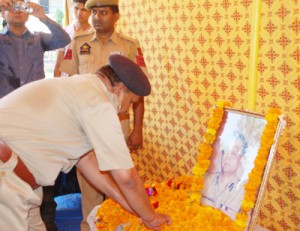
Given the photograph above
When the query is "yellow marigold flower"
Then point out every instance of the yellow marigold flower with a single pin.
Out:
(195, 197)
(209, 138)
(220, 104)
(211, 131)
(180, 197)
(272, 117)
(198, 171)
(213, 123)
(247, 205)
(241, 220)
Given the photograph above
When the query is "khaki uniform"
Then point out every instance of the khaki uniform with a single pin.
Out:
(13, 190)
(50, 124)
(86, 55)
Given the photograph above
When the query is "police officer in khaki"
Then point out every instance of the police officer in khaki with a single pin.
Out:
(49, 125)
(87, 53)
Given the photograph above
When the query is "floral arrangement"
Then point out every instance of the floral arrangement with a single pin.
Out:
(180, 197)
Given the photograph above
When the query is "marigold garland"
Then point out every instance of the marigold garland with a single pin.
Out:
(180, 197)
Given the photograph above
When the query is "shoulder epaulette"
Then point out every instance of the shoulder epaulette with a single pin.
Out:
(84, 33)
(128, 38)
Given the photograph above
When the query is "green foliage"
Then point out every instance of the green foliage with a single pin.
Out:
(59, 15)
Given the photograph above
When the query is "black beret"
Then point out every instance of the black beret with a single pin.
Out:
(130, 74)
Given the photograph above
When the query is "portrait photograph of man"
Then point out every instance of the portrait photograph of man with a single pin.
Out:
(233, 158)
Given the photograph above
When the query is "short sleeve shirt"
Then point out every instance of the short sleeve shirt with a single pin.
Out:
(87, 54)
(51, 123)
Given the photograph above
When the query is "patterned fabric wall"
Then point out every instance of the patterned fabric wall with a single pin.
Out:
(279, 85)
(197, 53)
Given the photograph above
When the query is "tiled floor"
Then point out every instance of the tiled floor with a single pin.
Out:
(68, 212)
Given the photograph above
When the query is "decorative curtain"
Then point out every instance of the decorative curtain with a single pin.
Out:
(199, 52)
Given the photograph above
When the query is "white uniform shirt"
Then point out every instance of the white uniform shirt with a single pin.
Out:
(228, 199)
(51, 123)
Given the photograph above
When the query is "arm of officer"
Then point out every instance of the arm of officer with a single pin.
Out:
(59, 59)
(126, 188)
(132, 187)
(88, 167)
(135, 139)
(70, 62)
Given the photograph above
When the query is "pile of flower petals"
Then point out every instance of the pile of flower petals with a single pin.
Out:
(173, 198)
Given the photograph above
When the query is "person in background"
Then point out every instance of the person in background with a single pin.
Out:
(22, 52)
(50, 125)
(22, 61)
(224, 189)
(87, 53)
(81, 24)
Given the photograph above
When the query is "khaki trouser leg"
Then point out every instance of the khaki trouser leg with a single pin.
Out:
(35, 220)
(19, 204)
(89, 199)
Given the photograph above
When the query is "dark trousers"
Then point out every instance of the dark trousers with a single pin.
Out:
(48, 208)
(64, 184)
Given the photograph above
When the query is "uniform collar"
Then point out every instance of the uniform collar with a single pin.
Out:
(113, 37)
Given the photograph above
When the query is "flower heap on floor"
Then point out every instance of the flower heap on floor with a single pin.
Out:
(180, 197)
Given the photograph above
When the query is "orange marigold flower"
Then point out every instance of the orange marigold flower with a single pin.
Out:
(180, 197)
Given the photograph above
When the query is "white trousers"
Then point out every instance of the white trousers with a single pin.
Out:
(19, 203)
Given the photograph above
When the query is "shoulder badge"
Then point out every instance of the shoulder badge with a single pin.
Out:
(68, 55)
(135, 49)
(85, 49)
(140, 58)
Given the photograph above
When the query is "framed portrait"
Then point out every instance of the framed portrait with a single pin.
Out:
(229, 177)
(235, 150)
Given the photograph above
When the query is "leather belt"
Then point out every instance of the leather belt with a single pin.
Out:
(123, 117)
(20, 170)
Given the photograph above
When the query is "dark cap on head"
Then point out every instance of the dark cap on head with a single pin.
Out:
(98, 3)
(130, 74)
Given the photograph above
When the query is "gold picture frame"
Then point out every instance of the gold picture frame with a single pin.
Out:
(235, 148)
(255, 212)
(180, 197)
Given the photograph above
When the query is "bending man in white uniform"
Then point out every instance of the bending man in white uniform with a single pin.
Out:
(47, 126)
